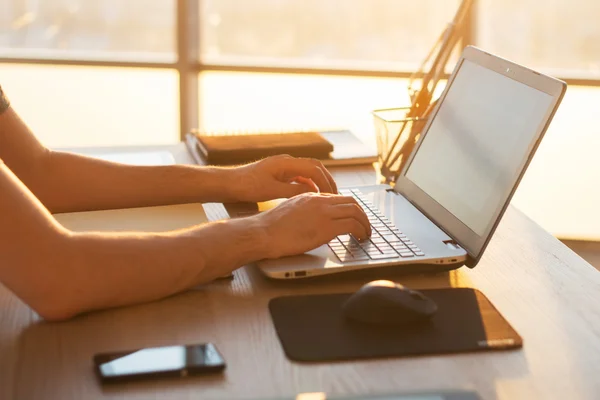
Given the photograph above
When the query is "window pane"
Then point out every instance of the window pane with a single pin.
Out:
(274, 102)
(559, 37)
(84, 106)
(560, 190)
(356, 34)
(138, 30)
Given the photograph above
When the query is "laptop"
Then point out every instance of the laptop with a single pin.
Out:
(458, 181)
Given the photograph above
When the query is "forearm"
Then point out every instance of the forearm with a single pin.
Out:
(104, 269)
(71, 182)
(69, 273)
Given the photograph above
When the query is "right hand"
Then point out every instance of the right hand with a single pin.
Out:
(310, 220)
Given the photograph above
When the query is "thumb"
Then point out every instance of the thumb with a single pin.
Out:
(292, 189)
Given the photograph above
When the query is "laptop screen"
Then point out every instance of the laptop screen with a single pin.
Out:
(471, 156)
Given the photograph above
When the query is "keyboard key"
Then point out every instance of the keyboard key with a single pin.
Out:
(360, 256)
(406, 254)
(384, 256)
(399, 246)
(419, 253)
(340, 252)
(344, 238)
(368, 245)
(391, 238)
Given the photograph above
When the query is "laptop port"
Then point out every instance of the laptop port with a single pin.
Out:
(299, 273)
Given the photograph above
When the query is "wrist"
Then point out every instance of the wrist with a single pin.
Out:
(255, 238)
(236, 186)
(219, 184)
(230, 244)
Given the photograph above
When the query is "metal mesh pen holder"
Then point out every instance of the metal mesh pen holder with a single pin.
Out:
(397, 135)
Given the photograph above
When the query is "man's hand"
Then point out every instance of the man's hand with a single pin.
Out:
(281, 177)
(307, 221)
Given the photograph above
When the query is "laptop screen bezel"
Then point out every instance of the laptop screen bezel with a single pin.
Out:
(473, 243)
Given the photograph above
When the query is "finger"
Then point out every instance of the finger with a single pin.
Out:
(349, 226)
(307, 182)
(327, 174)
(343, 211)
(307, 169)
(291, 189)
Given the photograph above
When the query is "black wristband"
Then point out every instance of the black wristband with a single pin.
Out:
(4, 103)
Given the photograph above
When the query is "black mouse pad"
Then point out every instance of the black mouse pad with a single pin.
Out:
(313, 328)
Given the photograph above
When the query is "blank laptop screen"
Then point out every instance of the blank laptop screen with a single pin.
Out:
(469, 158)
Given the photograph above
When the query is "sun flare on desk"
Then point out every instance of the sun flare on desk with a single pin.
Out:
(312, 396)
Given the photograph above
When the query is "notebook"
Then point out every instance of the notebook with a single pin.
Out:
(242, 149)
(338, 147)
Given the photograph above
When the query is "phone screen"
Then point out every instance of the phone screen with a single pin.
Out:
(182, 360)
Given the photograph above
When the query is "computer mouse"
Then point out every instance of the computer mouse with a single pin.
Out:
(388, 303)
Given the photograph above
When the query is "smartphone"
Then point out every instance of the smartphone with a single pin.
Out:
(154, 362)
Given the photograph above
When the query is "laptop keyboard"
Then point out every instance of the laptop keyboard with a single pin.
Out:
(386, 241)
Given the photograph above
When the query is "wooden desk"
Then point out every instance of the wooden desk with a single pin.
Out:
(549, 294)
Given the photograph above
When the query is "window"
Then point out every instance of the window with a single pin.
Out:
(160, 67)
(74, 106)
(561, 38)
(88, 29)
(356, 34)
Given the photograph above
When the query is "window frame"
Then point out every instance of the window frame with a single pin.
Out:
(189, 66)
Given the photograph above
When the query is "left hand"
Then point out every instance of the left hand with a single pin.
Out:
(281, 176)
